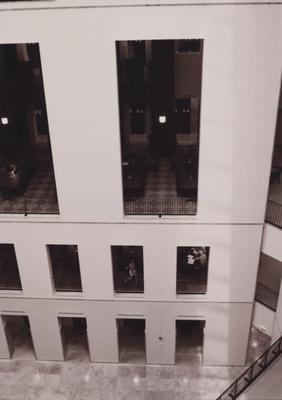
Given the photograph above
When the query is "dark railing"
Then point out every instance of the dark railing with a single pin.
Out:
(129, 287)
(273, 213)
(175, 206)
(252, 373)
(184, 286)
(10, 287)
(266, 296)
(29, 205)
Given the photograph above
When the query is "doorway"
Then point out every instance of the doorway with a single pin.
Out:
(131, 340)
(189, 341)
(74, 338)
(19, 338)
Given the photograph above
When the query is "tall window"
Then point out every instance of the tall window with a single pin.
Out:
(128, 269)
(192, 270)
(27, 181)
(159, 85)
(9, 273)
(65, 268)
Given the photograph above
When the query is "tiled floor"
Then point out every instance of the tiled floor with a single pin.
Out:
(78, 379)
(40, 193)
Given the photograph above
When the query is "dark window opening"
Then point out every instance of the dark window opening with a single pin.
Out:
(128, 269)
(268, 281)
(189, 45)
(182, 115)
(64, 263)
(159, 105)
(131, 340)
(192, 270)
(9, 272)
(189, 342)
(27, 180)
(74, 338)
(137, 119)
(18, 337)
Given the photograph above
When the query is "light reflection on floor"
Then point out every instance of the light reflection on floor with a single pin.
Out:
(78, 379)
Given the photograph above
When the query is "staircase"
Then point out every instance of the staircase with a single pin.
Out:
(253, 372)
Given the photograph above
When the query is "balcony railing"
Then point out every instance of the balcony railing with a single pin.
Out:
(273, 213)
(121, 286)
(185, 286)
(252, 373)
(160, 206)
(29, 205)
(266, 296)
(16, 286)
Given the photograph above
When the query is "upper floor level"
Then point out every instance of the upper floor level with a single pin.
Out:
(231, 117)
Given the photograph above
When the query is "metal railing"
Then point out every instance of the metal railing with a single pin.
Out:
(10, 287)
(175, 206)
(253, 372)
(273, 213)
(129, 287)
(184, 286)
(266, 296)
(29, 205)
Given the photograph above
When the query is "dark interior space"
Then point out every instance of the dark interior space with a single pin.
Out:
(65, 267)
(27, 181)
(189, 341)
(192, 270)
(18, 335)
(74, 338)
(131, 340)
(128, 269)
(159, 85)
(268, 281)
(9, 272)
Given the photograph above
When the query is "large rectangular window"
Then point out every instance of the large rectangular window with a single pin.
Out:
(128, 269)
(65, 268)
(27, 181)
(9, 273)
(159, 84)
(192, 270)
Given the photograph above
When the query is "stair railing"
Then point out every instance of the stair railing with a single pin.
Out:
(253, 372)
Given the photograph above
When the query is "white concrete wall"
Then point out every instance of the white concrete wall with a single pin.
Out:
(271, 241)
(263, 318)
(240, 88)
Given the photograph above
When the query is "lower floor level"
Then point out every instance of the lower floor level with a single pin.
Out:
(125, 331)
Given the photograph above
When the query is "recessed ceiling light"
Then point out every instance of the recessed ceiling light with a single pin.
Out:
(162, 119)
(4, 121)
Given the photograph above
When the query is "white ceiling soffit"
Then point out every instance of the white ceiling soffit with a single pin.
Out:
(22, 4)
